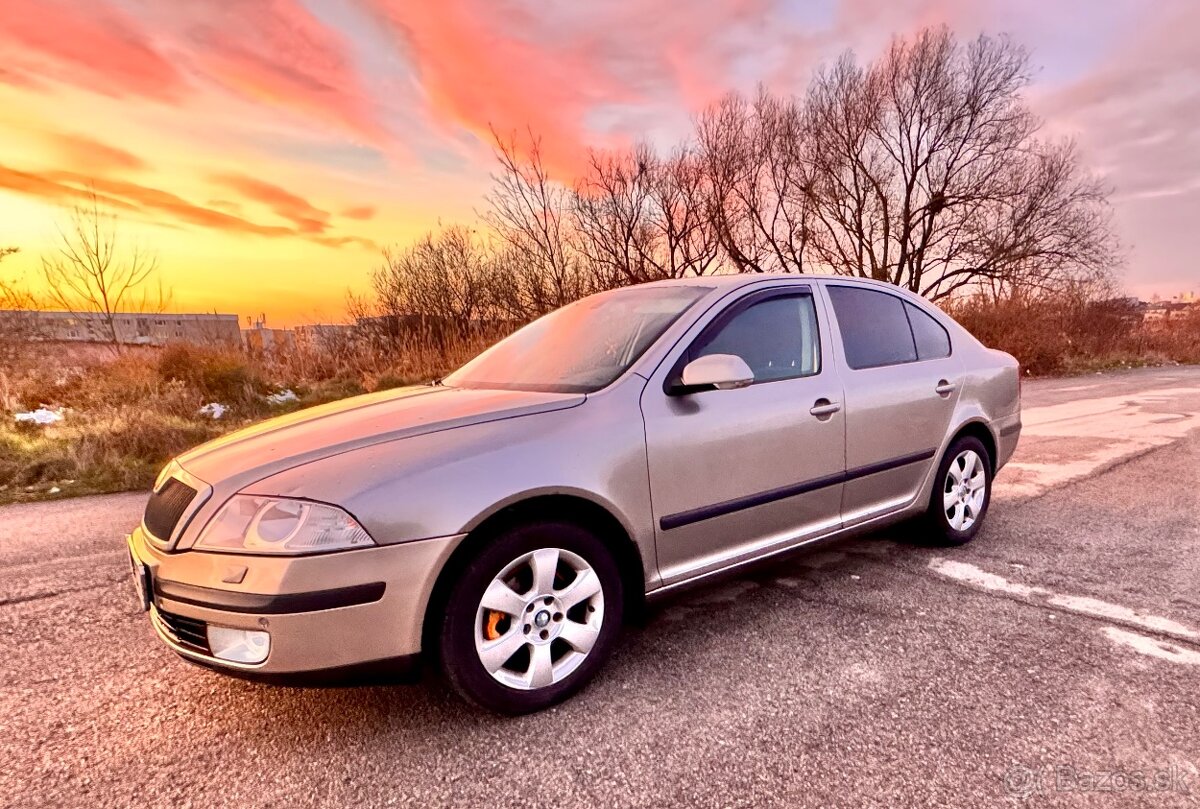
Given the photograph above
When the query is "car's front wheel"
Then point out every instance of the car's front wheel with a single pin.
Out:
(531, 617)
(961, 492)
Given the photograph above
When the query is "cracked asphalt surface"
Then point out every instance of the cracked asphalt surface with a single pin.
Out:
(1053, 662)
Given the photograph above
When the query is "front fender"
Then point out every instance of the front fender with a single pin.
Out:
(447, 483)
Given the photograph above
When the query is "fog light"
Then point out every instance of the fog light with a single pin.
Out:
(238, 645)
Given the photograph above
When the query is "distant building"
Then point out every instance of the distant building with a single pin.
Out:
(1158, 311)
(1163, 311)
(154, 329)
(322, 335)
(261, 339)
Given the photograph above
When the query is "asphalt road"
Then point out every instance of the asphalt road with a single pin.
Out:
(1055, 661)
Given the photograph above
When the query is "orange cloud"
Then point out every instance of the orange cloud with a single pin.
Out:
(36, 185)
(360, 212)
(308, 219)
(90, 154)
(157, 200)
(69, 187)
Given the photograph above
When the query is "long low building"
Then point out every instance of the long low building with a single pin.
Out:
(131, 328)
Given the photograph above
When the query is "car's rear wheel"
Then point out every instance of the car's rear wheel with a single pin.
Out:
(531, 617)
(961, 492)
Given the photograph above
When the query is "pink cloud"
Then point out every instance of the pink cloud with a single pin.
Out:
(561, 71)
(277, 52)
(478, 71)
(273, 52)
(89, 45)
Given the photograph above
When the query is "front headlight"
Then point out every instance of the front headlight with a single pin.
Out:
(253, 524)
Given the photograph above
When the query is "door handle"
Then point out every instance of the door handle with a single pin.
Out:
(823, 408)
(944, 387)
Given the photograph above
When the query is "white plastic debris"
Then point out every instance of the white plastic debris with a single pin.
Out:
(43, 415)
(213, 410)
(54, 490)
(283, 397)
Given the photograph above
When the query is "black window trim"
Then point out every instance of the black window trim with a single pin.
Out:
(905, 304)
(672, 386)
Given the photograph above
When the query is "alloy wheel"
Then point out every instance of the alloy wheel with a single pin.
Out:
(964, 490)
(539, 618)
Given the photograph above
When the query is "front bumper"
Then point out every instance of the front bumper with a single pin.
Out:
(323, 612)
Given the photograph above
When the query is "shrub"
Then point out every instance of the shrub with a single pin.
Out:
(216, 374)
(1069, 333)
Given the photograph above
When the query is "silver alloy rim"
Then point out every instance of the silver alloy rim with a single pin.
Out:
(539, 618)
(964, 490)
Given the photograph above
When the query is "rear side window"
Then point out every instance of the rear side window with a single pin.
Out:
(874, 327)
(777, 338)
(933, 342)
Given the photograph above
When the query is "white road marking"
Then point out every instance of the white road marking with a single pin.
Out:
(1153, 647)
(969, 574)
(1115, 612)
(1084, 605)
(1115, 427)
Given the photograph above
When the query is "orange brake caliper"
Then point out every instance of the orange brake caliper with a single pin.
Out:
(490, 631)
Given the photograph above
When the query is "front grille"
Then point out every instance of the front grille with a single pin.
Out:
(189, 633)
(165, 508)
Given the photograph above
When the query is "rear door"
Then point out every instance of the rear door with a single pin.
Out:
(901, 385)
(736, 472)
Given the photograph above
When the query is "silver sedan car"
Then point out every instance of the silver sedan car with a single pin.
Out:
(504, 521)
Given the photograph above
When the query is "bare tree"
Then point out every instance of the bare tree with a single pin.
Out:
(18, 307)
(529, 214)
(753, 157)
(94, 271)
(18, 326)
(639, 217)
(925, 170)
(436, 289)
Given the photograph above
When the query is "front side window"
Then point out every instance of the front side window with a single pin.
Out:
(581, 347)
(874, 327)
(776, 337)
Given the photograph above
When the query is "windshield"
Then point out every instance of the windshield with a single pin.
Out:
(581, 347)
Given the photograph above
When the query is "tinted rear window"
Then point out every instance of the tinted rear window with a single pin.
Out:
(874, 327)
(932, 340)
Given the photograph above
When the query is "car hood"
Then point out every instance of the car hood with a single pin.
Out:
(251, 454)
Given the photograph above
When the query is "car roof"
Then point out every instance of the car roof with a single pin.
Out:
(734, 280)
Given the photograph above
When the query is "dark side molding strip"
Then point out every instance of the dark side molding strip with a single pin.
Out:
(695, 515)
(261, 604)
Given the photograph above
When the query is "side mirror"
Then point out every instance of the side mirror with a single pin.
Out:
(720, 371)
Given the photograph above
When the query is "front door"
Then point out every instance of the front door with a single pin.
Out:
(734, 473)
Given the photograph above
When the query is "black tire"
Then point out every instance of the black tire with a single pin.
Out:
(937, 519)
(460, 661)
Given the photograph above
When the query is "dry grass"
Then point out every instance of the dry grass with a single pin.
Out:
(126, 416)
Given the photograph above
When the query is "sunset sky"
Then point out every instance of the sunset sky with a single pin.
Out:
(267, 149)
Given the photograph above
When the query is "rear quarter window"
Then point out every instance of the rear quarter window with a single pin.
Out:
(874, 327)
(933, 342)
